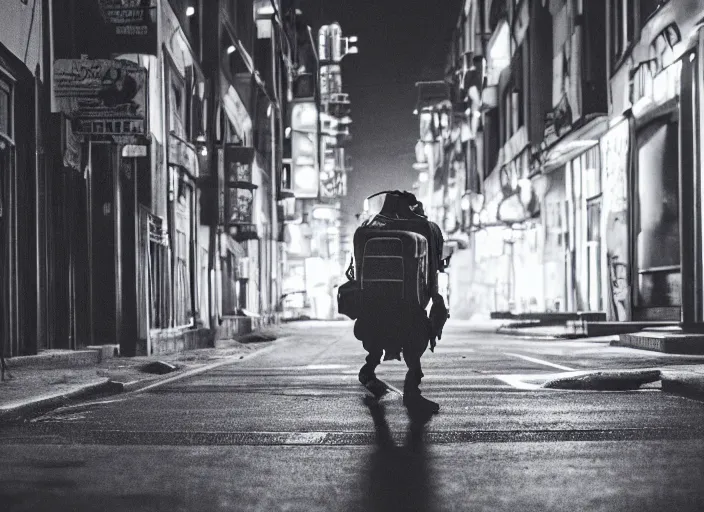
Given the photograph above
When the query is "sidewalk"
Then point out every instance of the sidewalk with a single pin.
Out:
(51, 380)
(519, 328)
(684, 380)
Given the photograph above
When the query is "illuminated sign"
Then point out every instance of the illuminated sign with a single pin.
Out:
(304, 150)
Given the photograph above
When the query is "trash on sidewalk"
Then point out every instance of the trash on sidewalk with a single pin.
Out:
(256, 337)
(159, 368)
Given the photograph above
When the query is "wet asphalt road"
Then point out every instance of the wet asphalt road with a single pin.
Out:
(291, 429)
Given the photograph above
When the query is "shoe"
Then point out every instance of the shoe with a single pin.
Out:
(417, 403)
(376, 388)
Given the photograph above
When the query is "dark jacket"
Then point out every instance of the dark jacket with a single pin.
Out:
(394, 327)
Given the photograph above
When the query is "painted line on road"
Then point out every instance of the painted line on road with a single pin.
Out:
(324, 366)
(203, 369)
(297, 368)
(516, 382)
(541, 361)
(134, 439)
(306, 438)
(392, 388)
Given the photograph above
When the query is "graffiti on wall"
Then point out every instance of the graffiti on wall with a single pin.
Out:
(615, 156)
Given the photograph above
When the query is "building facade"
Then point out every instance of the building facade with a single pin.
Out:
(315, 151)
(143, 179)
(582, 178)
(23, 261)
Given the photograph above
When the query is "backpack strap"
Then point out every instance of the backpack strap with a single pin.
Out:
(349, 273)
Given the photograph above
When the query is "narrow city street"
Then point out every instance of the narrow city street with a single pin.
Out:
(290, 428)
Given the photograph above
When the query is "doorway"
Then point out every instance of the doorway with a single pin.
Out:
(657, 231)
(594, 250)
(4, 249)
(103, 244)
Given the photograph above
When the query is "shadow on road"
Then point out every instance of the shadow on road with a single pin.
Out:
(398, 477)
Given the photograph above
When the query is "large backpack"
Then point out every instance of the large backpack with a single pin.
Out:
(396, 258)
(392, 269)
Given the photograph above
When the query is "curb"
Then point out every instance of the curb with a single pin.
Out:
(605, 380)
(105, 387)
(33, 407)
(686, 386)
(160, 380)
(508, 331)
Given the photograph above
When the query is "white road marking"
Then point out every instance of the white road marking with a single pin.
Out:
(202, 369)
(516, 382)
(392, 388)
(306, 438)
(531, 381)
(540, 361)
(296, 368)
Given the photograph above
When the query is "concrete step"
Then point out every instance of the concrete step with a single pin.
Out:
(64, 358)
(667, 341)
(592, 329)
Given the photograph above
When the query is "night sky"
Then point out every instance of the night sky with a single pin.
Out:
(400, 42)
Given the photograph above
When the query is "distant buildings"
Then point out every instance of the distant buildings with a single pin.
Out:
(147, 185)
(570, 163)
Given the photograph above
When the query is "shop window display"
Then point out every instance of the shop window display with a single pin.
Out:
(657, 224)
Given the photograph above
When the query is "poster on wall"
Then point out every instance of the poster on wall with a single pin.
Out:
(615, 160)
(102, 97)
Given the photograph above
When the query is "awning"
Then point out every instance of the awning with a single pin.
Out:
(574, 143)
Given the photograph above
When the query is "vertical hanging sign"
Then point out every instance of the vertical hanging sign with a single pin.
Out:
(239, 190)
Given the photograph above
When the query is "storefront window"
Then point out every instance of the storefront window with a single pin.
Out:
(183, 308)
(657, 224)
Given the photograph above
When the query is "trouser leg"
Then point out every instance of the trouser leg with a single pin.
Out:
(411, 385)
(412, 398)
(373, 359)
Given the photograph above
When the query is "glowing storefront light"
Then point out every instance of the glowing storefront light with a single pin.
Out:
(324, 213)
(306, 177)
(304, 145)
